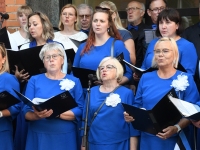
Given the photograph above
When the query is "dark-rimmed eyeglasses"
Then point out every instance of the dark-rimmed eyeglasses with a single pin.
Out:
(108, 67)
(156, 10)
(133, 9)
(84, 16)
(54, 57)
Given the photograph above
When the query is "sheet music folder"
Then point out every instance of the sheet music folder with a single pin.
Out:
(187, 110)
(59, 103)
(162, 115)
(27, 59)
(4, 38)
(7, 100)
(82, 74)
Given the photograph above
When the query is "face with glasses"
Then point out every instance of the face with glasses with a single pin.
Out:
(108, 71)
(163, 54)
(135, 13)
(85, 18)
(68, 16)
(155, 8)
(53, 60)
(2, 59)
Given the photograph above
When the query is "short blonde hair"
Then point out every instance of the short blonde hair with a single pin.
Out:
(116, 63)
(174, 50)
(48, 32)
(24, 9)
(5, 66)
(60, 25)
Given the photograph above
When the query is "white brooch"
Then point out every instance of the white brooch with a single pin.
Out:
(113, 100)
(66, 84)
(181, 83)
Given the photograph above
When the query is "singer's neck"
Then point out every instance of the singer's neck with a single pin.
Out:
(108, 86)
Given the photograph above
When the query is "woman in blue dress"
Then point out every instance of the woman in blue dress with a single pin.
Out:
(60, 132)
(108, 130)
(169, 25)
(8, 83)
(154, 85)
(98, 46)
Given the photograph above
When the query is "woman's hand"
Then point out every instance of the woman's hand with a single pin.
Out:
(21, 76)
(167, 132)
(196, 123)
(128, 118)
(43, 114)
(136, 77)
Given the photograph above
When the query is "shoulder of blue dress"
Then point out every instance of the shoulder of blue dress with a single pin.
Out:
(32, 44)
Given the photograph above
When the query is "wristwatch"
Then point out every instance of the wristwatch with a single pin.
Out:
(178, 127)
(1, 114)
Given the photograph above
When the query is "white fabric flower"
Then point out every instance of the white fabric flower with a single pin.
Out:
(113, 100)
(66, 84)
(181, 83)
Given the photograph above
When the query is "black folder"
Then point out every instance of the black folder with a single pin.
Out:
(70, 59)
(59, 103)
(82, 74)
(120, 58)
(7, 100)
(4, 38)
(27, 59)
(77, 43)
(163, 114)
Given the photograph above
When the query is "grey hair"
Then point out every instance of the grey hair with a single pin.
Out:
(52, 46)
(143, 6)
(83, 6)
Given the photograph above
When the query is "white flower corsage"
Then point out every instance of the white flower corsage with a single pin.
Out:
(66, 84)
(181, 83)
(113, 100)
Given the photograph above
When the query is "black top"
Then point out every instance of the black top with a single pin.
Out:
(140, 44)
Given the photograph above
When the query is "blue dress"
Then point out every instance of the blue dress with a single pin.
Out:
(150, 90)
(56, 133)
(92, 59)
(187, 55)
(8, 83)
(109, 131)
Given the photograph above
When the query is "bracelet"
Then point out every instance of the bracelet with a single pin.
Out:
(178, 127)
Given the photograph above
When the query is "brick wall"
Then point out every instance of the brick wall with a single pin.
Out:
(10, 7)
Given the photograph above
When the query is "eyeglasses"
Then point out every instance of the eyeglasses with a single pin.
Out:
(156, 10)
(108, 67)
(54, 57)
(164, 51)
(84, 16)
(133, 9)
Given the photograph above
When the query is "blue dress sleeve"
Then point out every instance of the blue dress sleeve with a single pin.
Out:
(78, 96)
(138, 98)
(77, 57)
(12, 83)
(188, 56)
(119, 47)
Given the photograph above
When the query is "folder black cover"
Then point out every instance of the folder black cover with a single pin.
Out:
(70, 55)
(4, 38)
(27, 59)
(186, 109)
(77, 43)
(59, 103)
(162, 115)
(7, 100)
(120, 58)
(150, 34)
(82, 74)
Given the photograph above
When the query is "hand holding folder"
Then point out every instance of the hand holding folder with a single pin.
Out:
(7, 100)
(162, 115)
(59, 103)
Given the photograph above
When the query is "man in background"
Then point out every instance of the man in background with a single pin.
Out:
(85, 15)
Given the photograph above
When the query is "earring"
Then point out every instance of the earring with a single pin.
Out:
(108, 29)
